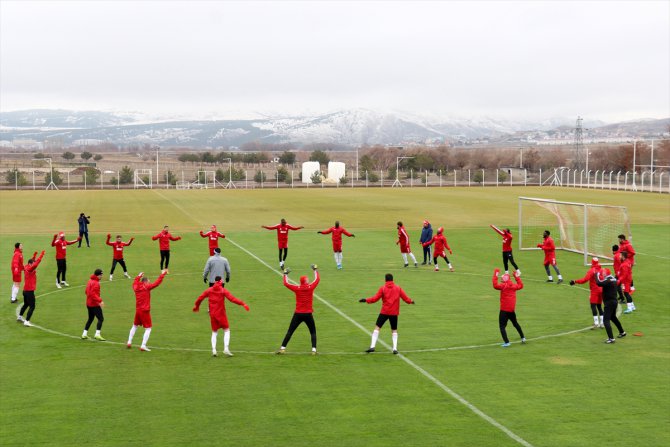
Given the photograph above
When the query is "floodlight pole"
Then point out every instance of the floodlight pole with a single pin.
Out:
(230, 183)
(51, 184)
(397, 167)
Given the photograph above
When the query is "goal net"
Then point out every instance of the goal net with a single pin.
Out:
(142, 178)
(578, 227)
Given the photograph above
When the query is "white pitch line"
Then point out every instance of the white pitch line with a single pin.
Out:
(425, 373)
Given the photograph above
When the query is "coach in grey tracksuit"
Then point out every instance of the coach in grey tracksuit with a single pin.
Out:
(216, 265)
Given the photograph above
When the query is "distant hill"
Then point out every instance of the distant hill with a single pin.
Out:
(345, 127)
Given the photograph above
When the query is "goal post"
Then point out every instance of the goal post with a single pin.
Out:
(584, 228)
(205, 179)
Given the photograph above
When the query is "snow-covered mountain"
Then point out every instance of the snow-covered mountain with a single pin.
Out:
(344, 127)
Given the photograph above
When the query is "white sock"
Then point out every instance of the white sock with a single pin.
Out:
(601, 320)
(145, 338)
(507, 272)
(214, 341)
(412, 256)
(629, 305)
(595, 319)
(560, 277)
(226, 339)
(632, 304)
(375, 336)
(394, 337)
(132, 334)
(339, 257)
(97, 333)
(15, 292)
(551, 278)
(450, 265)
(85, 333)
(404, 257)
(337, 261)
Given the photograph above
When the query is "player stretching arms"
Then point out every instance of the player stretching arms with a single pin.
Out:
(29, 289)
(508, 304)
(164, 238)
(440, 246)
(213, 236)
(217, 312)
(61, 247)
(403, 241)
(118, 254)
(17, 269)
(142, 288)
(304, 297)
(507, 255)
(549, 256)
(390, 295)
(282, 238)
(337, 232)
(596, 295)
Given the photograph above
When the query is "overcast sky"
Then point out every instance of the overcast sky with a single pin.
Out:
(605, 60)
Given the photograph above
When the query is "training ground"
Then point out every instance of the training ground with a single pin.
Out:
(451, 385)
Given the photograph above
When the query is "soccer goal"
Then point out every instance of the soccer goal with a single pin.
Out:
(143, 178)
(578, 227)
(205, 179)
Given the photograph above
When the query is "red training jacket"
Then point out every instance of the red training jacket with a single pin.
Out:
(596, 295)
(403, 240)
(440, 244)
(17, 263)
(61, 246)
(390, 294)
(549, 247)
(143, 292)
(304, 294)
(630, 251)
(337, 236)
(617, 263)
(118, 246)
(93, 292)
(164, 238)
(506, 238)
(282, 233)
(213, 239)
(507, 292)
(217, 295)
(30, 283)
(625, 273)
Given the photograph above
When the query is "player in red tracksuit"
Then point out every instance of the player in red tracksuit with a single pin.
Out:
(94, 305)
(117, 258)
(61, 246)
(164, 238)
(549, 249)
(213, 235)
(625, 280)
(508, 304)
(337, 231)
(304, 297)
(17, 270)
(626, 246)
(403, 241)
(142, 288)
(282, 238)
(441, 245)
(390, 294)
(507, 255)
(596, 292)
(218, 295)
(616, 258)
(29, 289)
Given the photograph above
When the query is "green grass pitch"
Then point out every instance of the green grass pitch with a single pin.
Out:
(452, 385)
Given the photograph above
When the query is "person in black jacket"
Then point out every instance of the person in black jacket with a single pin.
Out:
(609, 286)
(83, 228)
(426, 235)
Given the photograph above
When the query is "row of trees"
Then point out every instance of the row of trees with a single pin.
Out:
(381, 158)
(69, 156)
